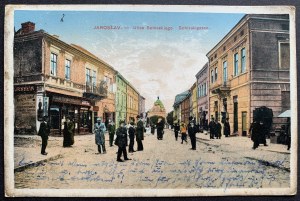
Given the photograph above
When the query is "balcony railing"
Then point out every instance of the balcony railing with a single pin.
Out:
(223, 87)
(97, 92)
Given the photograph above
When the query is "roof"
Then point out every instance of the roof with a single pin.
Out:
(202, 69)
(180, 97)
(158, 102)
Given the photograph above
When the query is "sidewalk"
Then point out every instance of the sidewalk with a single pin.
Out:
(27, 149)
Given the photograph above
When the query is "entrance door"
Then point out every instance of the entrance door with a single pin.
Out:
(244, 123)
(235, 114)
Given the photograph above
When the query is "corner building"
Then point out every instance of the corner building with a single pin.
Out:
(248, 69)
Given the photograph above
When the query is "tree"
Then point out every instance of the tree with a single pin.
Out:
(170, 118)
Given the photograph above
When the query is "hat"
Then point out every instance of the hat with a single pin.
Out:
(99, 119)
(138, 116)
(122, 122)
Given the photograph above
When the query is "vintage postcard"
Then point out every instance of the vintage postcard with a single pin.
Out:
(150, 100)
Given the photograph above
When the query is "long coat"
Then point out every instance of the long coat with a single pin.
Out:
(218, 129)
(121, 139)
(99, 133)
(192, 131)
(140, 130)
(68, 133)
(111, 128)
(131, 132)
(226, 128)
(160, 128)
(44, 130)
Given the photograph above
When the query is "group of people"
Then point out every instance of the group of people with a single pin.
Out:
(68, 133)
(122, 134)
(215, 128)
(190, 129)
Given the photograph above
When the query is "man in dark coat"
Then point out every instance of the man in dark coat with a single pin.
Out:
(218, 129)
(121, 141)
(160, 129)
(140, 133)
(226, 127)
(212, 128)
(44, 132)
(131, 132)
(68, 133)
(255, 129)
(192, 130)
(111, 131)
(262, 134)
(176, 129)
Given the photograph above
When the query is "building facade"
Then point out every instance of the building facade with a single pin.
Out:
(202, 95)
(55, 79)
(185, 108)
(132, 103)
(248, 69)
(177, 105)
(142, 110)
(121, 99)
(193, 101)
(158, 109)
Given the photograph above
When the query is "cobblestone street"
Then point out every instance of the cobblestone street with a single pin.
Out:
(225, 163)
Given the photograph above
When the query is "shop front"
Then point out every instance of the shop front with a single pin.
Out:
(78, 109)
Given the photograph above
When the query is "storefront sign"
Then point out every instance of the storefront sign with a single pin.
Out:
(25, 89)
(70, 100)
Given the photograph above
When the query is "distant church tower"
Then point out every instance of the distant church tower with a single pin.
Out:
(158, 109)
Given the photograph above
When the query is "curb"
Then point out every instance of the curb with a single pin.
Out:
(37, 163)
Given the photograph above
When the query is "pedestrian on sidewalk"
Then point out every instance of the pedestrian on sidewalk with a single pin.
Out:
(212, 128)
(99, 135)
(176, 129)
(121, 142)
(140, 133)
(111, 131)
(44, 132)
(183, 131)
(160, 129)
(262, 134)
(68, 132)
(218, 129)
(192, 130)
(131, 132)
(254, 132)
(226, 127)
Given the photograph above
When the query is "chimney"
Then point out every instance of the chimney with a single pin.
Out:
(28, 27)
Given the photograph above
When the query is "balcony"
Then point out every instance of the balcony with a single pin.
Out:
(96, 92)
(222, 89)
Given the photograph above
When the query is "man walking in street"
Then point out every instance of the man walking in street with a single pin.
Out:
(192, 130)
(212, 128)
(140, 133)
(68, 132)
(121, 142)
(254, 131)
(176, 129)
(218, 129)
(160, 129)
(99, 135)
(44, 132)
(183, 131)
(111, 131)
(226, 127)
(131, 132)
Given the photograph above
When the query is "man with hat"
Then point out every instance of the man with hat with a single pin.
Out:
(111, 131)
(44, 132)
(139, 133)
(121, 142)
(212, 128)
(99, 135)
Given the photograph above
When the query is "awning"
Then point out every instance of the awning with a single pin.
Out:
(285, 114)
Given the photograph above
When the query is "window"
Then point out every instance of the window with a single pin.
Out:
(216, 74)
(284, 54)
(225, 73)
(212, 76)
(67, 69)
(243, 60)
(236, 64)
(88, 76)
(94, 78)
(53, 64)
(205, 89)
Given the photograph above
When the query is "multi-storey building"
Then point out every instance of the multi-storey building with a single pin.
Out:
(132, 103)
(55, 79)
(142, 110)
(185, 108)
(121, 99)
(249, 68)
(193, 101)
(177, 105)
(202, 95)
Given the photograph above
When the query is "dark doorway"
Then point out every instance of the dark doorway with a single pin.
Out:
(235, 114)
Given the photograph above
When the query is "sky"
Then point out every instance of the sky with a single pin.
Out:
(160, 62)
